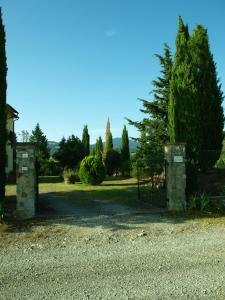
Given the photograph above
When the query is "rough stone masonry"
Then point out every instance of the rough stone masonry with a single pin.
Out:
(26, 188)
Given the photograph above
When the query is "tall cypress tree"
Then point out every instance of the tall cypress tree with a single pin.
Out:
(99, 148)
(86, 141)
(108, 138)
(195, 109)
(180, 105)
(125, 151)
(208, 99)
(3, 133)
(183, 108)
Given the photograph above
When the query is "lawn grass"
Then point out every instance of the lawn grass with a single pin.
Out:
(114, 189)
(122, 191)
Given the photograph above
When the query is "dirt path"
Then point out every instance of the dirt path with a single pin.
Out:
(58, 206)
(121, 256)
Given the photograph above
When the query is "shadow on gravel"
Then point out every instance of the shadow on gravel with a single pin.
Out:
(115, 210)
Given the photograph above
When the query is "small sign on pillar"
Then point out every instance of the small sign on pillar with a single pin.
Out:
(26, 181)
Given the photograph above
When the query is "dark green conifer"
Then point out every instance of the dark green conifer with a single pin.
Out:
(125, 151)
(208, 99)
(99, 148)
(154, 127)
(108, 138)
(3, 133)
(86, 141)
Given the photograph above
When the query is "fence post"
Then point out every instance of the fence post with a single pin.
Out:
(176, 177)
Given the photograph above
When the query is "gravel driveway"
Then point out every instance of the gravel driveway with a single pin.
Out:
(120, 256)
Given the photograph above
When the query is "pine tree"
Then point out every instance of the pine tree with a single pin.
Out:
(108, 138)
(99, 148)
(42, 151)
(3, 134)
(38, 137)
(154, 127)
(86, 141)
(70, 152)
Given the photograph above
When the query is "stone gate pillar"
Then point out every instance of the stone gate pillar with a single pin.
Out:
(26, 182)
(176, 177)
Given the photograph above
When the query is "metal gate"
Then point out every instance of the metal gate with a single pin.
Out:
(151, 178)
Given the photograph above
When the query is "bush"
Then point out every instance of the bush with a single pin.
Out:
(69, 175)
(48, 167)
(92, 170)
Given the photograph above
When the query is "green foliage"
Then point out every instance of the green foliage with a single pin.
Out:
(70, 152)
(99, 148)
(112, 162)
(125, 168)
(42, 152)
(3, 133)
(49, 167)
(195, 107)
(39, 139)
(154, 127)
(208, 99)
(69, 176)
(125, 153)
(199, 202)
(108, 138)
(86, 141)
(92, 170)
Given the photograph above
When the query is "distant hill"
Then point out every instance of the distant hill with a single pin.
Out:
(53, 146)
(118, 141)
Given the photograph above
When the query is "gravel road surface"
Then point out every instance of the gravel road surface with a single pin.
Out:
(126, 255)
(112, 252)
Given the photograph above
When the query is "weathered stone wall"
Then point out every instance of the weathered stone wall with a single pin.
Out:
(26, 180)
(176, 177)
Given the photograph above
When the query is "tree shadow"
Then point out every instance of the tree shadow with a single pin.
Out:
(114, 209)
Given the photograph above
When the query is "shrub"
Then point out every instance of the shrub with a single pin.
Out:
(69, 176)
(92, 170)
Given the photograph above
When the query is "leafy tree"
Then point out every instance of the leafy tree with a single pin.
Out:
(112, 162)
(86, 141)
(3, 134)
(99, 148)
(70, 152)
(125, 153)
(108, 138)
(92, 170)
(25, 136)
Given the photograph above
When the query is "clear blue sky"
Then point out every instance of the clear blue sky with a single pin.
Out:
(76, 62)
